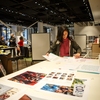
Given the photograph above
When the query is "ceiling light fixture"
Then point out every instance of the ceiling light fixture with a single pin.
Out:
(35, 2)
(46, 8)
(51, 11)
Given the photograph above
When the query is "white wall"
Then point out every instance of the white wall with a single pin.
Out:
(79, 39)
(88, 30)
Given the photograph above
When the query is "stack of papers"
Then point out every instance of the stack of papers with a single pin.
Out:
(53, 57)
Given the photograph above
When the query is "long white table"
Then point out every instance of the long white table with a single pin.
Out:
(47, 67)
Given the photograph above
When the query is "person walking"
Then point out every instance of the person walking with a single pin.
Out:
(21, 45)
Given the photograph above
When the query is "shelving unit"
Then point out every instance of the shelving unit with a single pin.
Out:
(90, 39)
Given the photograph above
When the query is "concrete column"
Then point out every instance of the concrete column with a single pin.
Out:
(19, 30)
(54, 33)
(40, 27)
(14, 27)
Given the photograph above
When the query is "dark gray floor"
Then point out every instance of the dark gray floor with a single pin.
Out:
(23, 63)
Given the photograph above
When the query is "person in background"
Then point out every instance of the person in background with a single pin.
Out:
(96, 40)
(64, 45)
(21, 45)
(12, 43)
(2, 41)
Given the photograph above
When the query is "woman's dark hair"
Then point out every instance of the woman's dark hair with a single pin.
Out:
(21, 38)
(1, 37)
(60, 33)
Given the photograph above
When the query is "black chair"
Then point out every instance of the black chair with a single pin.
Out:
(26, 51)
(16, 58)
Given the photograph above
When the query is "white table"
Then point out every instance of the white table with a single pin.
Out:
(47, 67)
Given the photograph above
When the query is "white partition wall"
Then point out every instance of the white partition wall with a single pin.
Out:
(40, 45)
(81, 41)
(88, 30)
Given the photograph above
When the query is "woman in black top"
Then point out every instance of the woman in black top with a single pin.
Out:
(12, 43)
(64, 45)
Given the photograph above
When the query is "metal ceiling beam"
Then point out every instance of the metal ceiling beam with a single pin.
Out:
(7, 26)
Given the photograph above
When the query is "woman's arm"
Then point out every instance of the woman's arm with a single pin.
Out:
(53, 48)
(77, 48)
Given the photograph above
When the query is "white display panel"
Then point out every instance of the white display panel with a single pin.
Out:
(40, 45)
(81, 40)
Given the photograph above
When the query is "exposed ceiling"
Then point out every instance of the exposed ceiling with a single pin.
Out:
(54, 12)
(95, 7)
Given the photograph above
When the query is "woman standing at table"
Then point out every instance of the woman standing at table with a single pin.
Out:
(12, 42)
(2, 41)
(64, 45)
